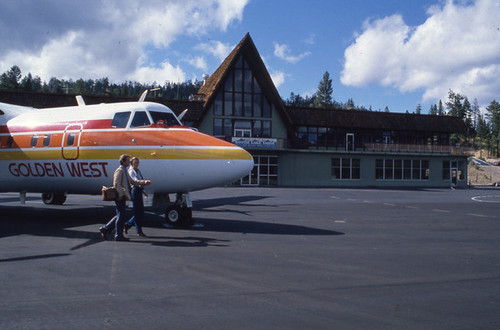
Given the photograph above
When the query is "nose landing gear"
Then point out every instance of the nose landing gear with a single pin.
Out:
(180, 213)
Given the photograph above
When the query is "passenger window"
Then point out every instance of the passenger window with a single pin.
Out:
(71, 139)
(10, 141)
(34, 141)
(140, 119)
(120, 119)
(46, 140)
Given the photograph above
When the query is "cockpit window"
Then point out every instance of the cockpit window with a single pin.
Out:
(164, 118)
(120, 119)
(140, 119)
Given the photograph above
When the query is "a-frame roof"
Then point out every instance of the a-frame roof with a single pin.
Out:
(246, 47)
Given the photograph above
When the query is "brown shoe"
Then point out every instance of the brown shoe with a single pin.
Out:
(141, 235)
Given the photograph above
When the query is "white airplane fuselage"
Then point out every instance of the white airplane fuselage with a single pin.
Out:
(75, 150)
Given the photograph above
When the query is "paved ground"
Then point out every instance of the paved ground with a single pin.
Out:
(265, 258)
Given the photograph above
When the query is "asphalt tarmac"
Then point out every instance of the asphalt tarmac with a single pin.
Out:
(264, 258)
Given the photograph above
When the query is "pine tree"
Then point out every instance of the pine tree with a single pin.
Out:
(324, 93)
(433, 109)
(11, 79)
(494, 116)
(440, 108)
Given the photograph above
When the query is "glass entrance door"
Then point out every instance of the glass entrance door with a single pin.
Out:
(453, 172)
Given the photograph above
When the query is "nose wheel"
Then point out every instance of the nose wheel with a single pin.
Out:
(180, 213)
(178, 216)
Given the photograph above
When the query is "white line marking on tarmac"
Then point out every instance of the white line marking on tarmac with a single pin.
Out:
(478, 215)
(443, 211)
(486, 199)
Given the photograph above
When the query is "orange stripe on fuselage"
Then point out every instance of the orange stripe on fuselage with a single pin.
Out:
(174, 143)
(148, 137)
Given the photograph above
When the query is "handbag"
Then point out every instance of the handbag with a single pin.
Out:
(109, 193)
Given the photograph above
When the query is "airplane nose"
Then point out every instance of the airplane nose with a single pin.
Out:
(240, 163)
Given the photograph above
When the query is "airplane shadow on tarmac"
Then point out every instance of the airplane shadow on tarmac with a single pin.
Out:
(66, 221)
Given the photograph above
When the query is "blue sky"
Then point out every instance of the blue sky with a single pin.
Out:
(380, 53)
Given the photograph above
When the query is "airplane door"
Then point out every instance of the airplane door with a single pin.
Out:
(70, 147)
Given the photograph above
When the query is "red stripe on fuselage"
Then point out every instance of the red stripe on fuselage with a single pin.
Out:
(60, 126)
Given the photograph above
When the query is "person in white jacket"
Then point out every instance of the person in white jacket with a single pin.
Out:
(137, 182)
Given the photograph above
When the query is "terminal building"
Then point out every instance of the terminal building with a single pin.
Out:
(309, 147)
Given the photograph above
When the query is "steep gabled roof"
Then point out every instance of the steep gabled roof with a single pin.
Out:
(352, 119)
(246, 47)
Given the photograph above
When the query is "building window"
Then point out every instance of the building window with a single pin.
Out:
(264, 172)
(242, 128)
(315, 137)
(346, 168)
(241, 97)
(218, 130)
(268, 170)
(455, 169)
(401, 169)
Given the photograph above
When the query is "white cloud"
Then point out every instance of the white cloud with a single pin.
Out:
(199, 63)
(216, 48)
(278, 78)
(283, 52)
(166, 72)
(95, 39)
(457, 47)
(310, 40)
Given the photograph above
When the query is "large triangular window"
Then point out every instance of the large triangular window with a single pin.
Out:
(241, 100)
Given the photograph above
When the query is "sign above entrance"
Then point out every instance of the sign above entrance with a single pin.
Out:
(261, 143)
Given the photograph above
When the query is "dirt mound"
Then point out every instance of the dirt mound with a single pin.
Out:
(483, 174)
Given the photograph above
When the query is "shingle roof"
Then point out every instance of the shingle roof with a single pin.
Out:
(212, 83)
(374, 120)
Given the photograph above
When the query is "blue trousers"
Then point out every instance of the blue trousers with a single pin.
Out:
(138, 209)
(119, 219)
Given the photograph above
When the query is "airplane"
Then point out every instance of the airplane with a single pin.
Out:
(75, 150)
